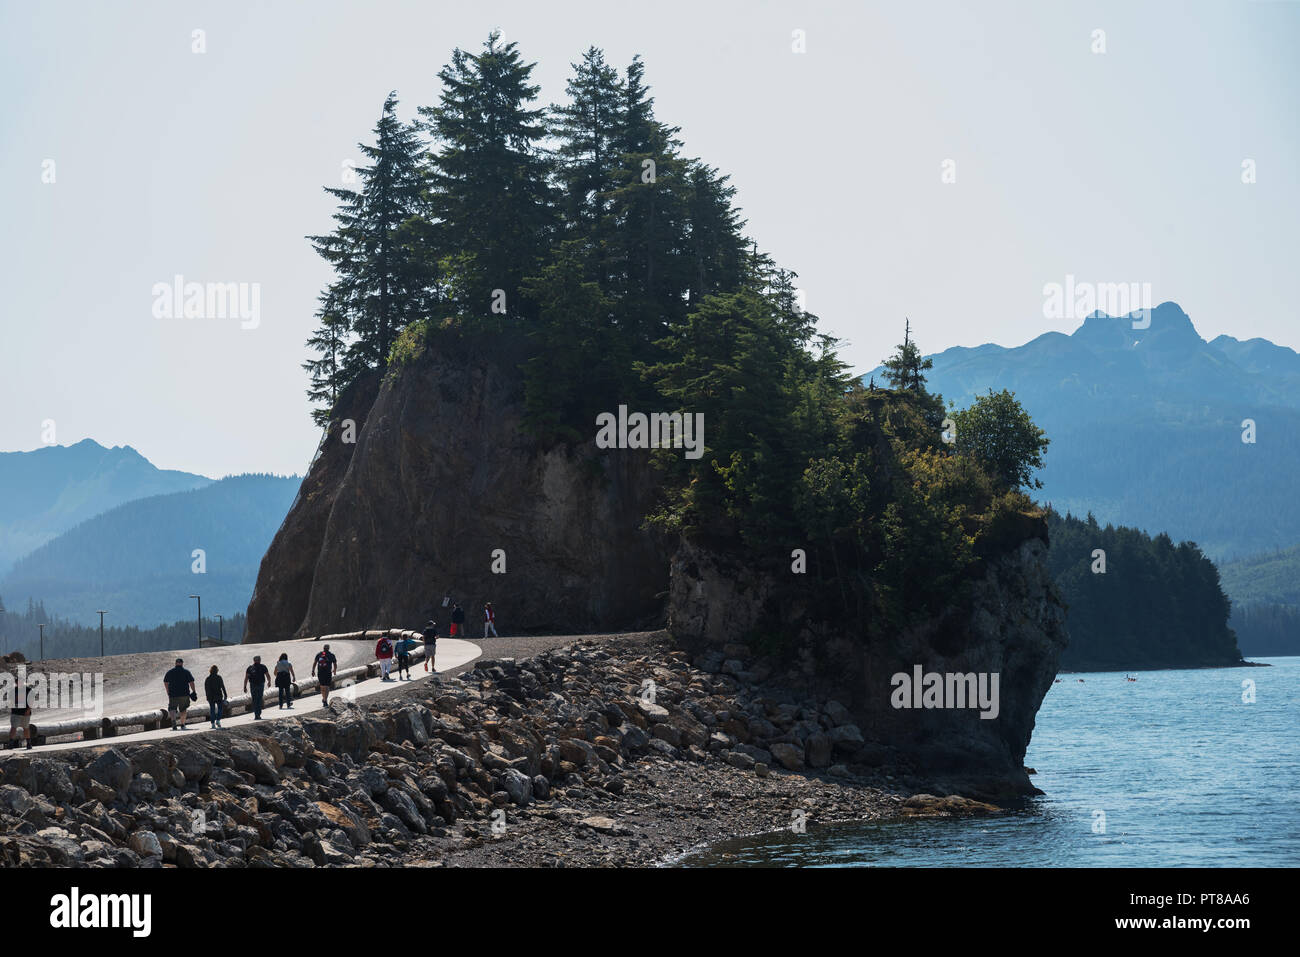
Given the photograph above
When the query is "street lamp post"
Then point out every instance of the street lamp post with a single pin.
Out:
(221, 629)
(41, 626)
(200, 601)
(101, 633)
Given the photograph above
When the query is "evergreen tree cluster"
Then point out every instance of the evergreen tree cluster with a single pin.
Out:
(584, 232)
(581, 228)
(1157, 604)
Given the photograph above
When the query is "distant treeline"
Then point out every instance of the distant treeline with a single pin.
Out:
(20, 631)
(1155, 605)
(1266, 629)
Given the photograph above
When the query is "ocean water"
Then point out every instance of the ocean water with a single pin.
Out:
(1171, 770)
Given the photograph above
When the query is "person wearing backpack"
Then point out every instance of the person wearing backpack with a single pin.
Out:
(284, 679)
(404, 648)
(20, 720)
(214, 689)
(430, 636)
(255, 679)
(384, 652)
(322, 669)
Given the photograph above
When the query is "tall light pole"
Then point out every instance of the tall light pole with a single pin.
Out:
(221, 630)
(101, 633)
(41, 626)
(200, 601)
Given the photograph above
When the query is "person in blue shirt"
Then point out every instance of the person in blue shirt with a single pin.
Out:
(404, 649)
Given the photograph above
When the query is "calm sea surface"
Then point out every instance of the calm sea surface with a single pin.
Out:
(1184, 772)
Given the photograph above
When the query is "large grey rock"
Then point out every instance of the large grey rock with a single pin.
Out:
(409, 725)
(145, 843)
(846, 738)
(518, 785)
(1009, 622)
(252, 758)
(111, 769)
(789, 756)
(452, 420)
(15, 801)
(817, 751)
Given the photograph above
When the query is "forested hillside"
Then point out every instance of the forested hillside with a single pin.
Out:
(49, 490)
(1148, 425)
(1137, 601)
(1265, 592)
(138, 560)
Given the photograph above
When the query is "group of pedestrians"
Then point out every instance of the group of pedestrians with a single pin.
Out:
(457, 629)
(387, 651)
(179, 683)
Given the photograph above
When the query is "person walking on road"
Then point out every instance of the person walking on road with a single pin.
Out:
(404, 648)
(489, 621)
(255, 678)
(384, 652)
(214, 689)
(430, 636)
(457, 621)
(284, 679)
(20, 720)
(322, 669)
(180, 692)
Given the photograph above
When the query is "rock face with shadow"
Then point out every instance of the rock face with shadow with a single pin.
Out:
(442, 489)
(1011, 624)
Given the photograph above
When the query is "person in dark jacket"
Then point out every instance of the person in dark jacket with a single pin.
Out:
(255, 678)
(214, 689)
(430, 636)
(180, 692)
(457, 621)
(323, 667)
(20, 720)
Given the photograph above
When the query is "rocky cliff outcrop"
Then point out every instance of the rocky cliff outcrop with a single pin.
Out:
(1011, 624)
(441, 476)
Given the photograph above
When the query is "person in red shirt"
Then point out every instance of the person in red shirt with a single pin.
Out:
(489, 621)
(384, 652)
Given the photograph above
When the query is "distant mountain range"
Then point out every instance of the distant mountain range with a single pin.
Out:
(49, 490)
(138, 560)
(1146, 425)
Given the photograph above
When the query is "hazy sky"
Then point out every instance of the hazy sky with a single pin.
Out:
(1124, 166)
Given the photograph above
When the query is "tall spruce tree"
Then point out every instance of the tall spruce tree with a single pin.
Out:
(488, 178)
(384, 277)
(905, 367)
(329, 342)
(587, 128)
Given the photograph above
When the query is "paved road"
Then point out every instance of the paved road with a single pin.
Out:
(140, 688)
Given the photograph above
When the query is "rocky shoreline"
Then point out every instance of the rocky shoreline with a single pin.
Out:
(608, 752)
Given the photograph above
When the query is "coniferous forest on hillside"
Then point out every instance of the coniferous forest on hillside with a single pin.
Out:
(1137, 601)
